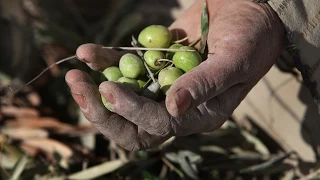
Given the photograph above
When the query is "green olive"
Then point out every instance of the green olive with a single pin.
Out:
(112, 73)
(141, 83)
(106, 103)
(132, 83)
(131, 66)
(155, 36)
(186, 60)
(167, 77)
(169, 55)
(152, 57)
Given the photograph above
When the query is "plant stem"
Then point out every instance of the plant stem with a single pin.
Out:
(181, 40)
(173, 168)
(164, 60)
(147, 49)
(134, 43)
(195, 42)
(40, 74)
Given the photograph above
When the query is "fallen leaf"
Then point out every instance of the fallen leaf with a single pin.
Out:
(97, 171)
(266, 165)
(40, 122)
(187, 161)
(10, 156)
(259, 146)
(50, 146)
(29, 150)
(19, 112)
(214, 149)
(25, 133)
(7, 161)
(19, 168)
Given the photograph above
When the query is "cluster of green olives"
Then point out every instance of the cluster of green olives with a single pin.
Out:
(165, 66)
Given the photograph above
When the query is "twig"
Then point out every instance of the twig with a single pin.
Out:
(20, 166)
(147, 49)
(149, 72)
(172, 167)
(46, 69)
(85, 165)
(135, 44)
(112, 152)
(181, 40)
(156, 73)
(121, 153)
(267, 164)
(195, 42)
(163, 172)
(164, 60)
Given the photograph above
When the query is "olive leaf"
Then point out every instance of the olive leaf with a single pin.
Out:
(98, 170)
(266, 165)
(204, 27)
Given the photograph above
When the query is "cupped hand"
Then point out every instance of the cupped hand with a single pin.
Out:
(244, 41)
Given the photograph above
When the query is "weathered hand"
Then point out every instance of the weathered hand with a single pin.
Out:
(244, 41)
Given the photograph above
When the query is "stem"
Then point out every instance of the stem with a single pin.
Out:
(40, 74)
(164, 60)
(156, 73)
(181, 40)
(195, 42)
(147, 49)
(135, 44)
(149, 72)
(168, 63)
(146, 85)
(173, 168)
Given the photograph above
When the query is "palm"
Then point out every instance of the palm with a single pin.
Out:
(239, 42)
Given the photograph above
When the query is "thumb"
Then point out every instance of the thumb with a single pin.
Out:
(209, 79)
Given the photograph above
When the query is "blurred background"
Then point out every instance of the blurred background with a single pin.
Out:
(274, 134)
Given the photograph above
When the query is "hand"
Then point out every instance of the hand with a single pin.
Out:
(244, 41)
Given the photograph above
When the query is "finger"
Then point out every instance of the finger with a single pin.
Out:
(76, 75)
(222, 106)
(213, 113)
(96, 57)
(210, 78)
(113, 126)
(153, 117)
(145, 113)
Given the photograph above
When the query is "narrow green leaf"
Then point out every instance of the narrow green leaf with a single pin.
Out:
(204, 27)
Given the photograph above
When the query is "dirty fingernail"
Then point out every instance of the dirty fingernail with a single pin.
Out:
(183, 100)
(80, 99)
(109, 97)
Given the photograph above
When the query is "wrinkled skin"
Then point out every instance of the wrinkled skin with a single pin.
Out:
(244, 41)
